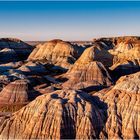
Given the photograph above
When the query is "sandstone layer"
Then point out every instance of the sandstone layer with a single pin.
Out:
(57, 115)
(123, 108)
(126, 57)
(43, 97)
(32, 68)
(16, 92)
(57, 52)
(21, 48)
(86, 72)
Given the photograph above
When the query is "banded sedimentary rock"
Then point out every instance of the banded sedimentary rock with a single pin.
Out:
(21, 48)
(57, 115)
(126, 56)
(11, 65)
(123, 108)
(16, 92)
(57, 52)
(8, 55)
(97, 53)
(87, 73)
(127, 53)
(124, 68)
(32, 68)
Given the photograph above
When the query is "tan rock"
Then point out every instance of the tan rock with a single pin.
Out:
(96, 53)
(123, 108)
(57, 115)
(86, 72)
(57, 52)
(11, 65)
(16, 92)
(126, 57)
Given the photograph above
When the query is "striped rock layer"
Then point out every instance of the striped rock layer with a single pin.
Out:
(15, 92)
(32, 68)
(8, 55)
(57, 52)
(126, 57)
(57, 115)
(87, 72)
(21, 48)
(123, 111)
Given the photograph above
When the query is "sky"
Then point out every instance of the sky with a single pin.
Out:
(68, 20)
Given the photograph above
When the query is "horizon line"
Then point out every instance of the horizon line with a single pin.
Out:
(71, 39)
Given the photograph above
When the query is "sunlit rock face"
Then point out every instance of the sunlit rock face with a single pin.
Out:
(16, 92)
(21, 48)
(57, 115)
(87, 73)
(123, 108)
(126, 56)
(43, 97)
(96, 53)
(57, 52)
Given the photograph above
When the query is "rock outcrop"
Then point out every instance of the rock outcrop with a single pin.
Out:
(32, 68)
(11, 65)
(87, 73)
(8, 55)
(57, 52)
(126, 57)
(14, 74)
(21, 48)
(16, 92)
(123, 107)
(58, 115)
(124, 68)
(43, 93)
(97, 53)
(126, 51)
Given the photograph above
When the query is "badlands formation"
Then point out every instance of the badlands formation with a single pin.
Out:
(70, 90)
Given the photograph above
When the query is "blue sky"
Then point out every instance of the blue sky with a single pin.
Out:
(68, 20)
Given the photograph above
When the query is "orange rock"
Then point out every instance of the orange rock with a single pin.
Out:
(123, 111)
(87, 73)
(58, 115)
(16, 92)
(57, 52)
